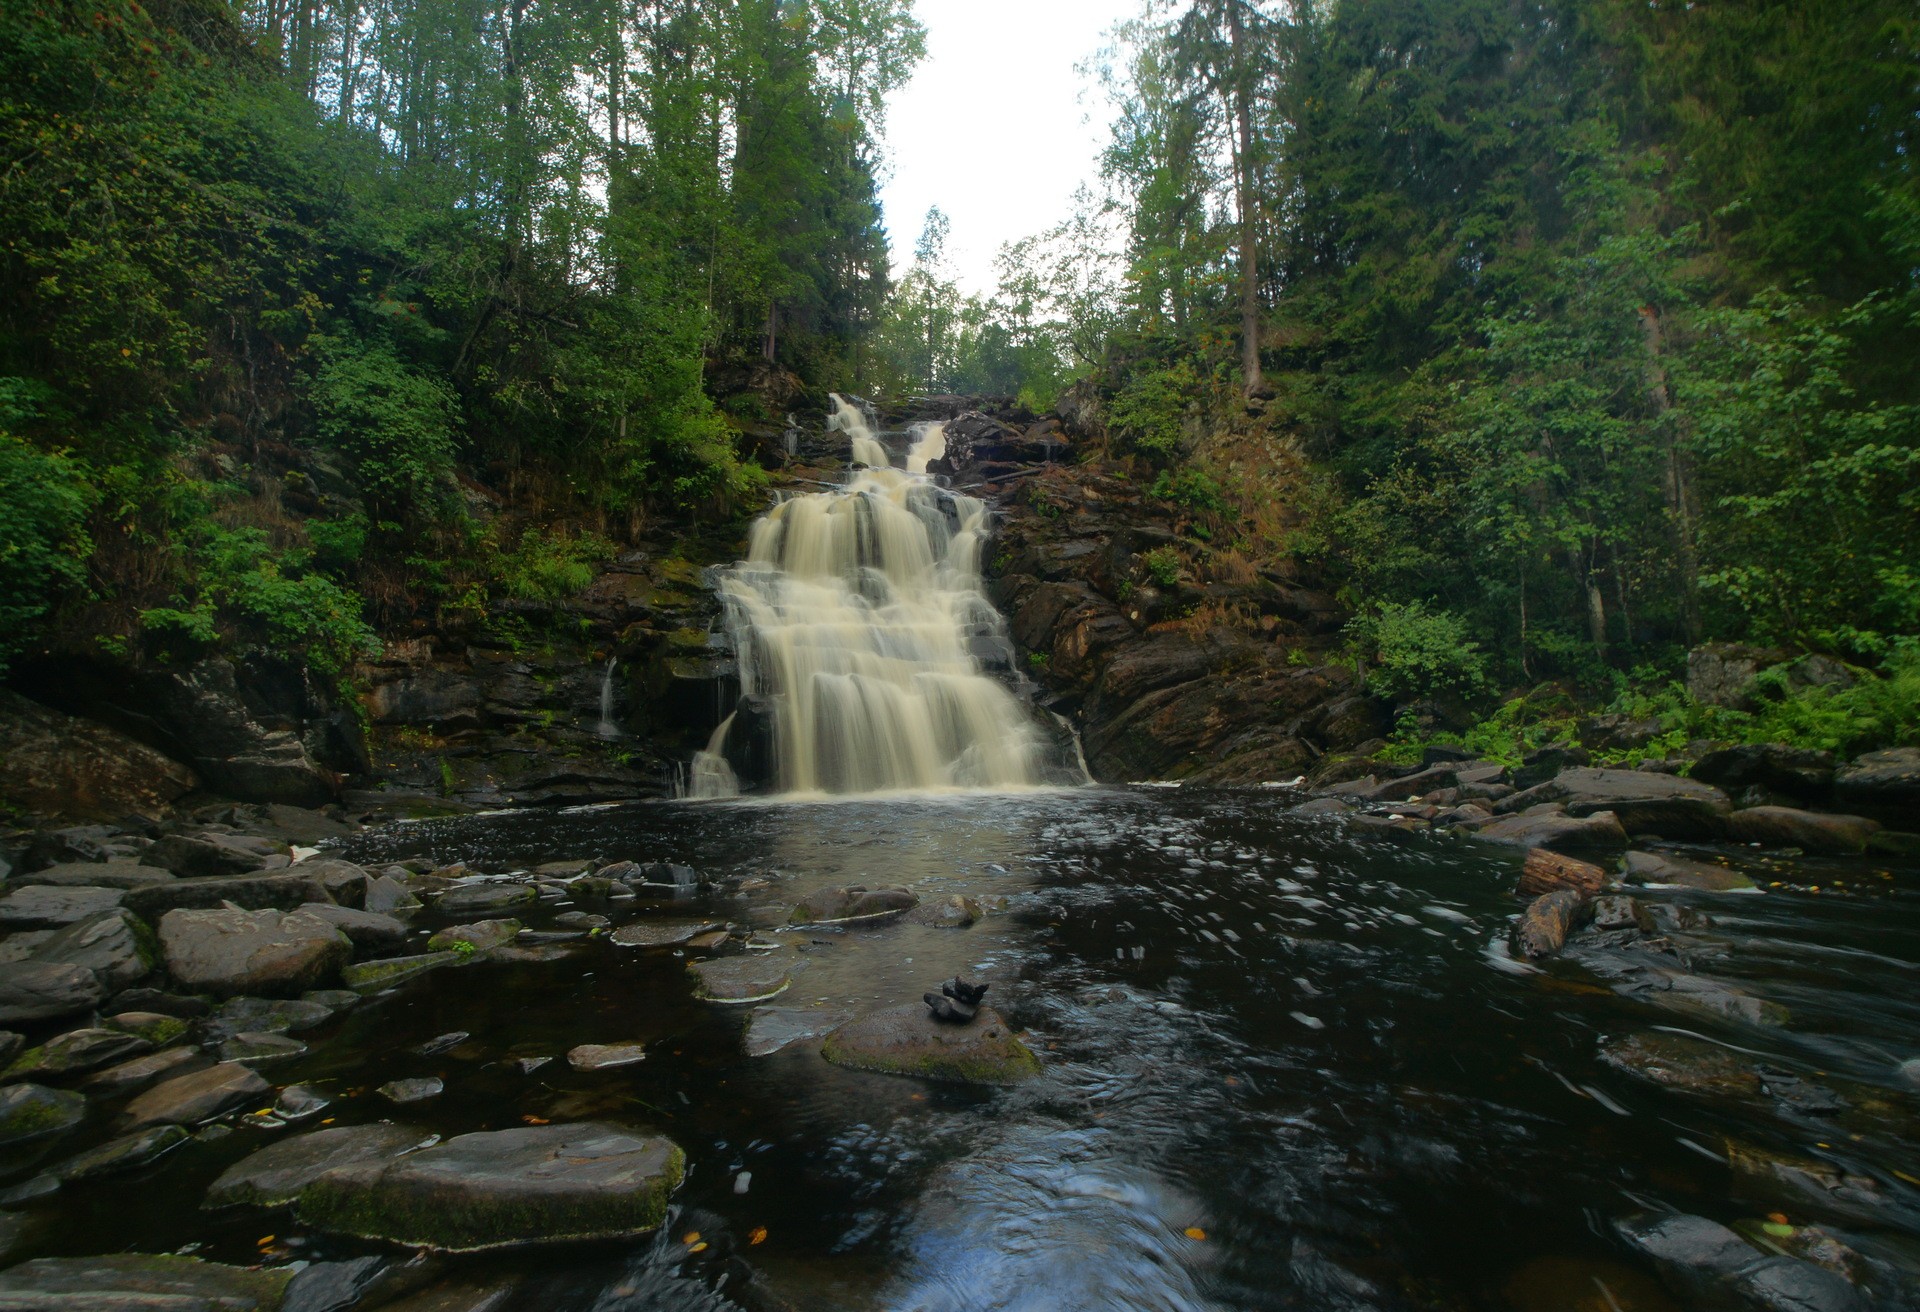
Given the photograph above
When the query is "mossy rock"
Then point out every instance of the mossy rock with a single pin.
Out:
(372, 976)
(909, 1041)
(126, 1280)
(155, 1028)
(33, 1111)
(504, 1189)
(688, 640)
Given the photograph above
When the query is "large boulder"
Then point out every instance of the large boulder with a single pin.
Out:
(197, 856)
(31, 1112)
(1798, 772)
(115, 945)
(909, 1041)
(1678, 872)
(278, 892)
(274, 1176)
(46, 990)
(856, 905)
(1554, 828)
(130, 1282)
(1642, 801)
(1718, 673)
(1882, 783)
(124, 872)
(503, 1189)
(55, 906)
(204, 718)
(256, 952)
(1811, 831)
(56, 764)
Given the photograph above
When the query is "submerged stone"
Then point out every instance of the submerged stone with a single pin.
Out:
(140, 1280)
(851, 906)
(736, 980)
(132, 1076)
(774, 1028)
(908, 1041)
(504, 1188)
(467, 899)
(201, 1096)
(419, 1089)
(1690, 1065)
(125, 1154)
(372, 976)
(605, 1056)
(77, 1052)
(261, 1049)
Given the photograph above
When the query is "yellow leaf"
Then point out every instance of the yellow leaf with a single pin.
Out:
(690, 1237)
(757, 1235)
(1195, 1232)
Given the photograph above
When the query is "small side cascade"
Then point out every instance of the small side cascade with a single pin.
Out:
(608, 727)
(858, 619)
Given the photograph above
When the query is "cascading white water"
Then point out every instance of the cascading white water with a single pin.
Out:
(608, 726)
(855, 619)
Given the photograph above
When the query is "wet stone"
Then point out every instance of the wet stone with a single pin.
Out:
(852, 906)
(297, 1102)
(469, 899)
(908, 1041)
(200, 1096)
(77, 1052)
(661, 934)
(46, 990)
(580, 920)
(1652, 868)
(418, 1089)
(481, 936)
(707, 942)
(442, 1043)
(124, 1154)
(55, 906)
(504, 1188)
(132, 1076)
(114, 945)
(772, 1028)
(370, 930)
(605, 1056)
(253, 952)
(31, 1112)
(155, 1027)
(1690, 1065)
(373, 976)
(261, 1049)
(1619, 913)
(268, 1016)
(954, 912)
(276, 1174)
(117, 1281)
(335, 1286)
(735, 980)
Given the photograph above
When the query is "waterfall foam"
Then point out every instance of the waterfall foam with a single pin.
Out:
(858, 619)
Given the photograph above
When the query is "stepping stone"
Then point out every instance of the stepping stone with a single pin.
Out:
(125, 1154)
(774, 1028)
(479, 936)
(605, 1056)
(503, 1189)
(261, 1049)
(467, 899)
(736, 980)
(76, 1052)
(276, 1174)
(201, 1096)
(373, 976)
(909, 1041)
(853, 906)
(662, 934)
(420, 1089)
(141, 1280)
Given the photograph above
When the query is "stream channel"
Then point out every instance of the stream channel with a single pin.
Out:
(1288, 1064)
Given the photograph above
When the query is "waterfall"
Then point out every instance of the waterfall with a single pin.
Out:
(857, 619)
(607, 728)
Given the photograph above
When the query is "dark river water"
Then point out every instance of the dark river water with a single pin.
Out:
(1288, 1065)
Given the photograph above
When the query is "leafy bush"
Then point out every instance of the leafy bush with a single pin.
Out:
(549, 566)
(1192, 488)
(1149, 412)
(44, 500)
(1416, 652)
(1163, 566)
(397, 426)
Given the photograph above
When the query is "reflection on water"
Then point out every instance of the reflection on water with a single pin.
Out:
(1282, 1070)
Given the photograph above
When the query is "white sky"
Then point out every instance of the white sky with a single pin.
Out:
(995, 128)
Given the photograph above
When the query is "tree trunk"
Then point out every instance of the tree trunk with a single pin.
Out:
(1244, 185)
(1678, 485)
(1596, 601)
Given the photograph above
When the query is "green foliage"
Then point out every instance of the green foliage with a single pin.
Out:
(44, 500)
(1163, 565)
(396, 424)
(550, 566)
(1149, 413)
(1414, 652)
(1193, 488)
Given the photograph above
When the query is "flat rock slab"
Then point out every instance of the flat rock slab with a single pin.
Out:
(125, 1154)
(364, 929)
(261, 1049)
(774, 1028)
(268, 1016)
(46, 990)
(254, 952)
(1561, 832)
(1690, 1065)
(909, 1041)
(1643, 802)
(1678, 872)
(99, 874)
(737, 980)
(200, 1096)
(77, 1052)
(503, 1189)
(29, 1112)
(372, 976)
(662, 934)
(421, 1088)
(115, 945)
(853, 906)
(132, 1076)
(606, 1056)
(278, 892)
(468, 899)
(123, 1282)
(274, 1176)
(1811, 831)
(55, 906)
(481, 936)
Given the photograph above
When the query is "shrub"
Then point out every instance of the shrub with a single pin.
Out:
(1416, 652)
(1149, 412)
(44, 500)
(549, 566)
(1163, 566)
(1192, 488)
(397, 425)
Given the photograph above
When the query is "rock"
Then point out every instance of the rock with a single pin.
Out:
(202, 710)
(1718, 673)
(1546, 872)
(1700, 996)
(256, 952)
(55, 906)
(578, 920)
(466, 1293)
(1689, 1243)
(46, 990)
(1543, 927)
(76, 1053)
(275, 1175)
(605, 1056)
(368, 930)
(473, 899)
(57, 764)
(132, 1076)
(1909, 1072)
(1546, 763)
(1677, 872)
(1556, 830)
(31, 1112)
(1323, 806)
(139, 1282)
(340, 882)
(182, 1005)
(1616, 733)
(661, 876)
(336, 1286)
(954, 912)
(1891, 842)
(115, 945)
(1796, 771)
(440, 1043)
(1782, 826)
(297, 1102)
(1678, 1062)
(153, 1026)
(125, 1154)
(1643, 802)
(662, 934)
(98, 874)
(772, 1028)
(418, 1089)
(1615, 913)
(563, 869)
(856, 905)
(742, 979)
(479, 936)
(268, 1016)
(277, 892)
(259, 1049)
(502, 1189)
(204, 856)
(372, 976)
(908, 1041)
(200, 1096)
(1806, 1180)
(1721, 1269)
(387, 896)
(1881, 783)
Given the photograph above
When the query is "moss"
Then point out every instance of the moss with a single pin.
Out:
(157, 1030)
(688, 640)
(372, 976)
(1003, 1061)
(34, 1115)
